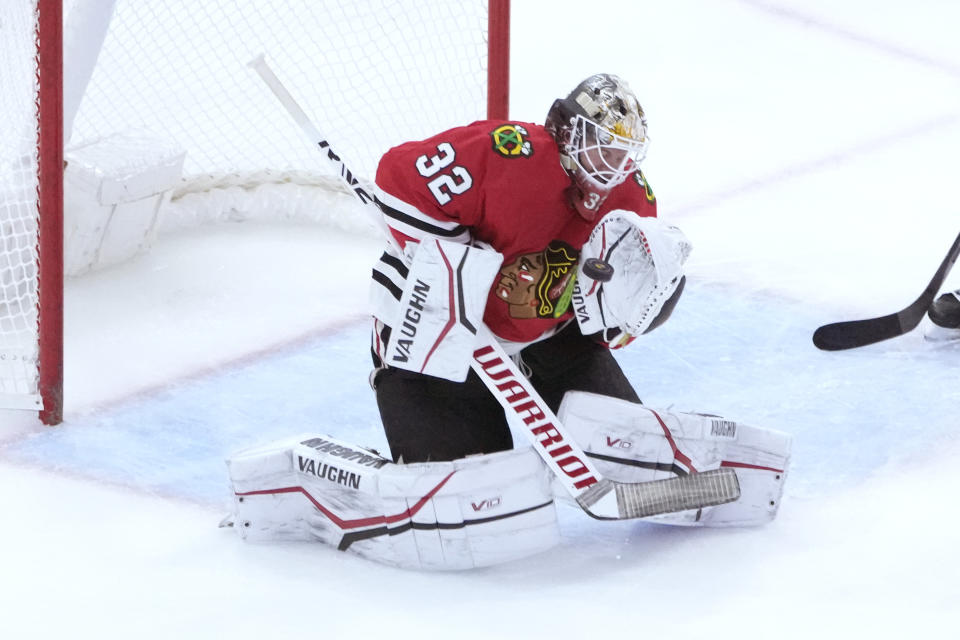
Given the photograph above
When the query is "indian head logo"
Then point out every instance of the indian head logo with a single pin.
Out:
(539, 285)
(510, 141)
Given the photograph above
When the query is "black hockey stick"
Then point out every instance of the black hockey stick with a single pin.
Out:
(858, 333)
(600, 497)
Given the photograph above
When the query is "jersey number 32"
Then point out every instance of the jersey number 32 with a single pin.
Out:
(449, 183)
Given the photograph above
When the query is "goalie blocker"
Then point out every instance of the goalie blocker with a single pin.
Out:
(493, 508)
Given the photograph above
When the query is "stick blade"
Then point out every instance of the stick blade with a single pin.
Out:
(859, 333)
(695, 491)
(851, 334)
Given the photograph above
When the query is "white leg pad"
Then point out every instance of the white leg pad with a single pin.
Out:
(477, 511)
(632, 443)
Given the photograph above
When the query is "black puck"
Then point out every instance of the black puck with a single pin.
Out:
(597, 269)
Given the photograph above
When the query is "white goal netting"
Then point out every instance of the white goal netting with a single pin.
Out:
(372, 73)
(167, 82)
(18, 207)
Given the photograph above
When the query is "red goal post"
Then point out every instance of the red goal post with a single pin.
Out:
(138, 109)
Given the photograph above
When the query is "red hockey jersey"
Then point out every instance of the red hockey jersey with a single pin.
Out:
(501, 184)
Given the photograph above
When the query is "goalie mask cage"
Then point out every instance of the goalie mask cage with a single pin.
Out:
(372, 73)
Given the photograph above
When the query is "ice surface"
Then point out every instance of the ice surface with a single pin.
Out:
(809, 151)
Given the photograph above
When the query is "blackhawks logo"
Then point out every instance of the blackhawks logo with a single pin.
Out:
(539, 285)
(510, 141)
(642, 181)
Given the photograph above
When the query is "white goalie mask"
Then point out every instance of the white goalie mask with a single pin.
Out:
(602, 134)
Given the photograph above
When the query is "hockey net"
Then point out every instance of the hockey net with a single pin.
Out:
(19, 183)
(164, 124)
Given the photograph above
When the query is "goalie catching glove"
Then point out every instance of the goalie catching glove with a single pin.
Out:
(647, 257)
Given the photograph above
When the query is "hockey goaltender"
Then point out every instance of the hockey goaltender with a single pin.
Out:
(518, 257)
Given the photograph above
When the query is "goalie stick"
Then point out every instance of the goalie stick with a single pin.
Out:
(851, 334)
(600, 497)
